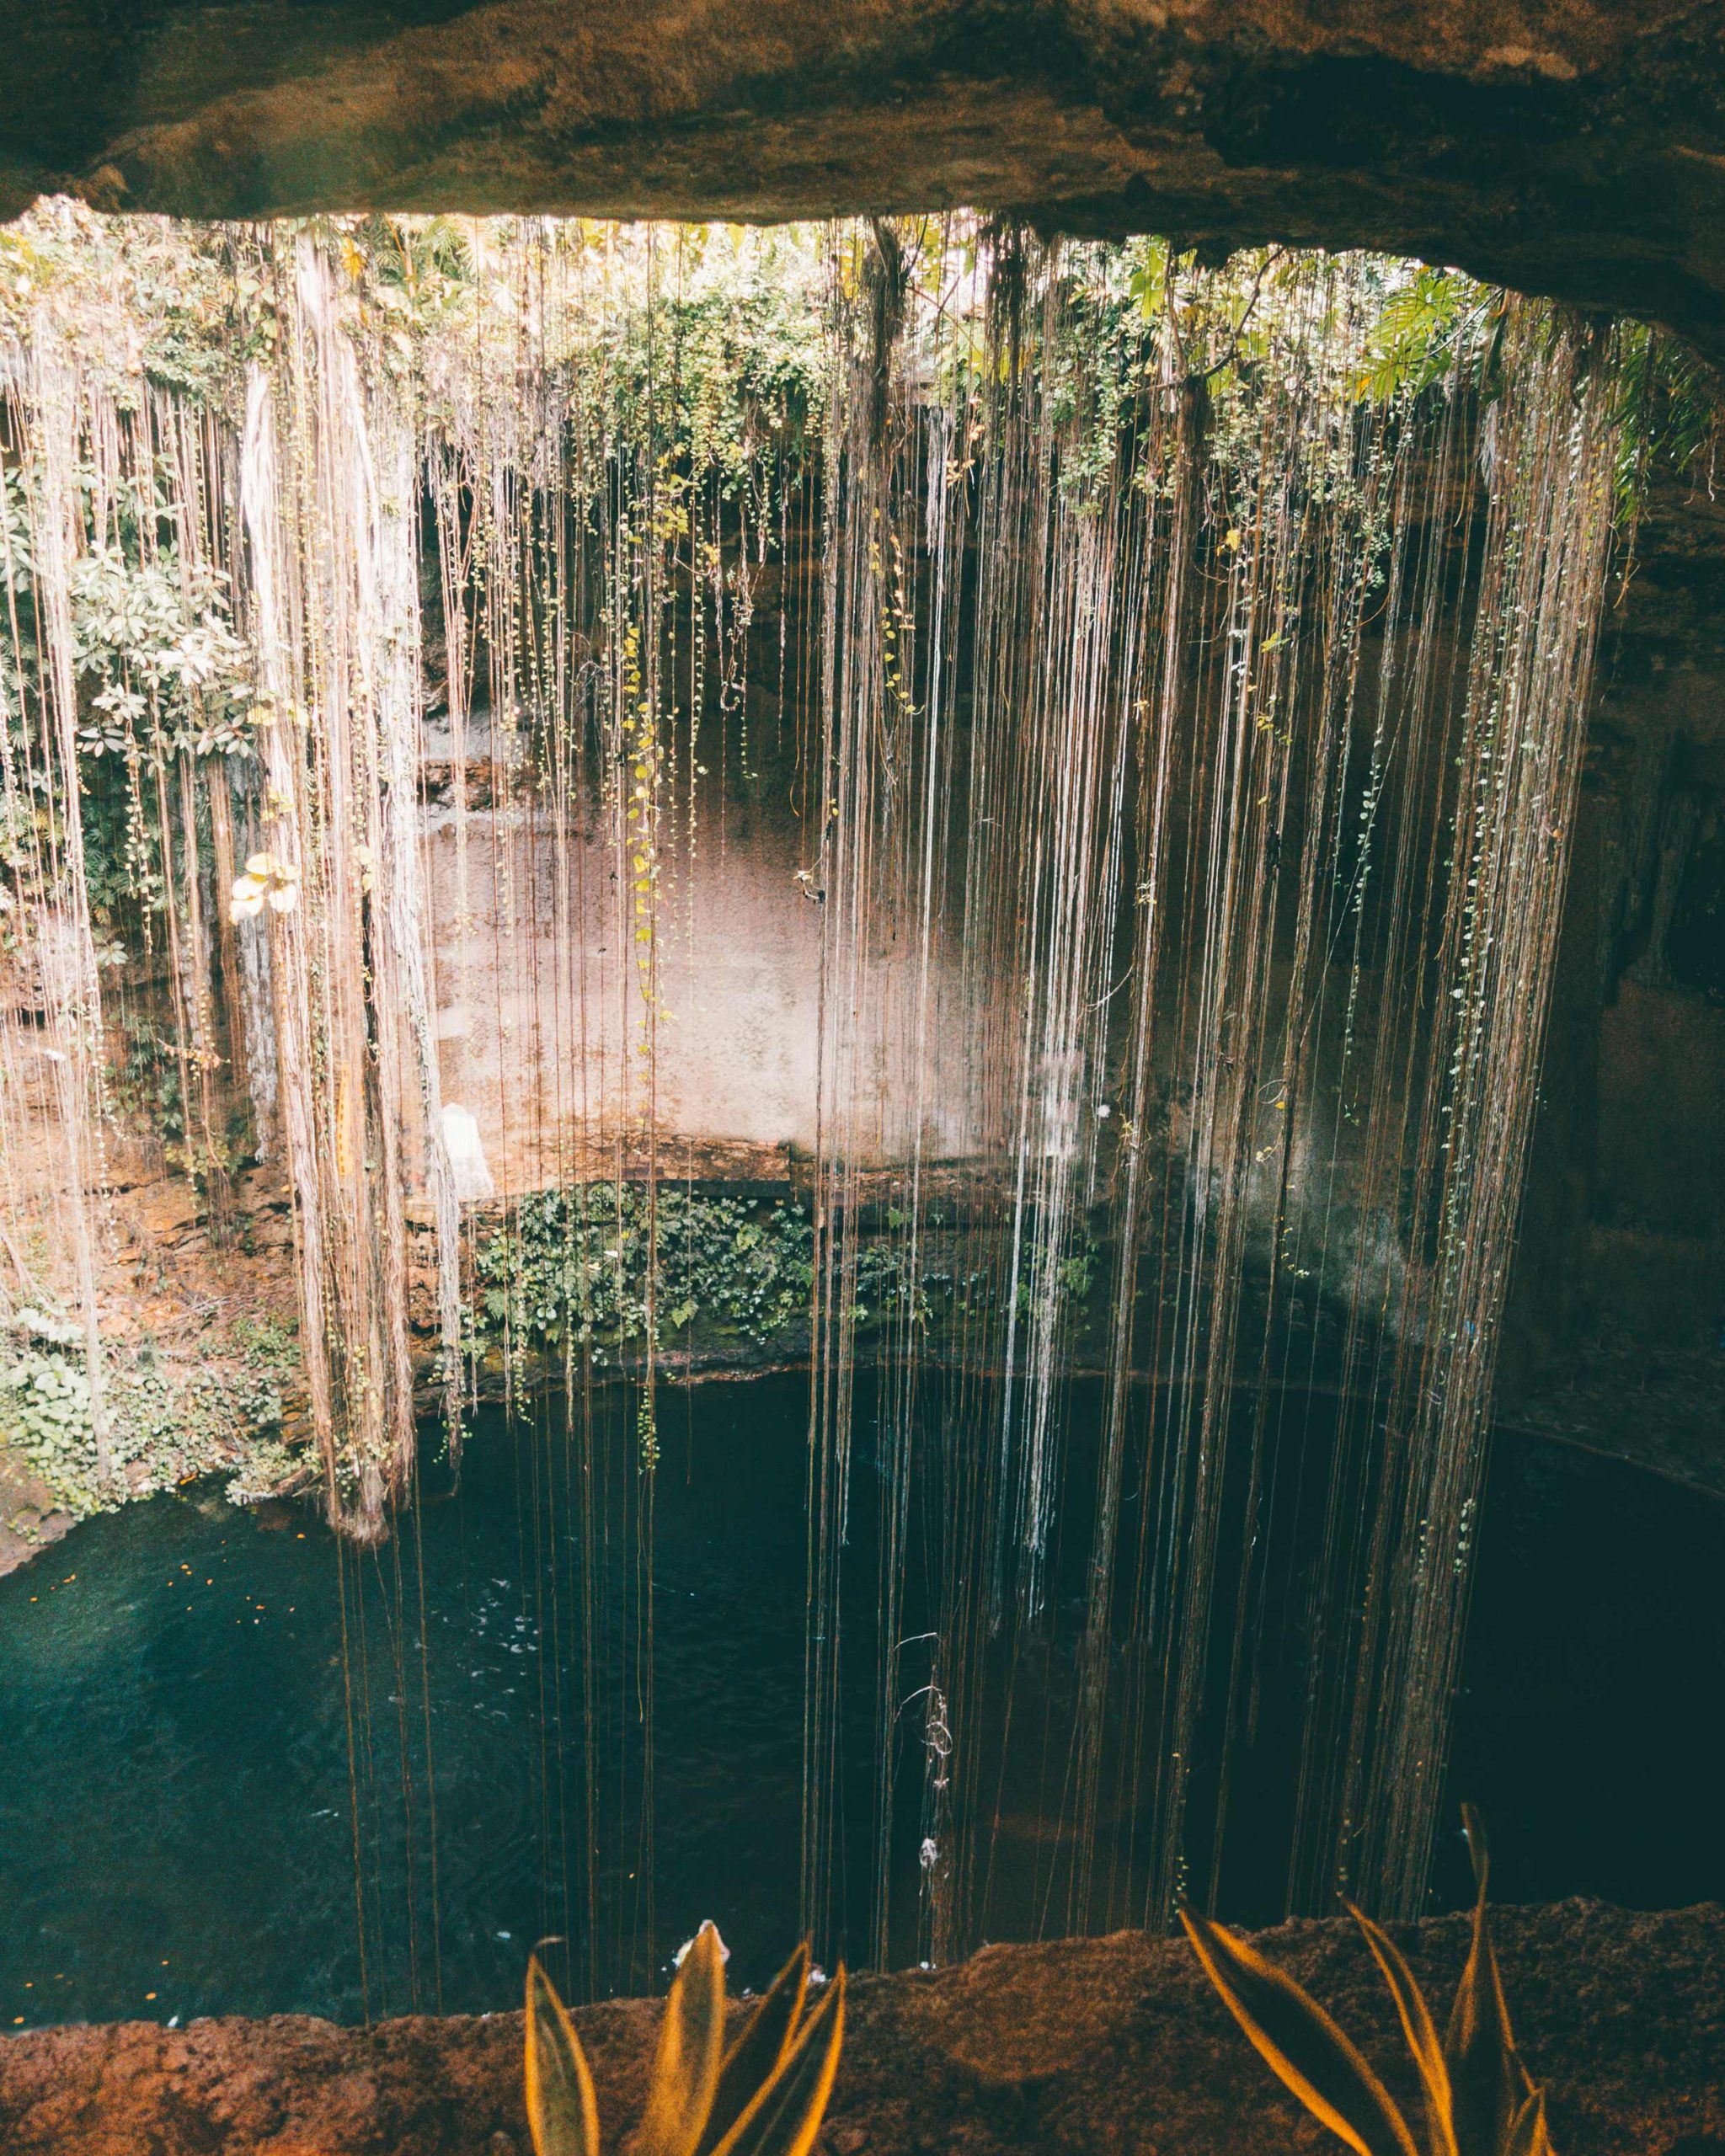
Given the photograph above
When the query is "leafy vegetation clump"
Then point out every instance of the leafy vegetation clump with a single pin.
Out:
(44, 1406)
(598, 1265)
(166, 1423)
(1478, 2098)
(571, 1269)
(763, 2095)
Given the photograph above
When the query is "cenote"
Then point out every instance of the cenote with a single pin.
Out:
(816, 1040)
(227, 1735)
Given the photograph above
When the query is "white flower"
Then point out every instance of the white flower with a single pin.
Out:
(266, 881)
(247, 900)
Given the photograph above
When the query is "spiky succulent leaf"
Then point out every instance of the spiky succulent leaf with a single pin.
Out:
(562, 2113)
(784, 2116)
(686, 2065)
(1300, 2042)
(1490, 2086)
(1527, 2134)
(1420, 2031)
(750, 2062)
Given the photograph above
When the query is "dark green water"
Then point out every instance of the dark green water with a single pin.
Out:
(178, 1819)
(176, 1810)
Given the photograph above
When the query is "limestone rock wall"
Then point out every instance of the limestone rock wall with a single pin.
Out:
(1561, 146)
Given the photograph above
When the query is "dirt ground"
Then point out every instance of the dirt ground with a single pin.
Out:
(1079, 2048)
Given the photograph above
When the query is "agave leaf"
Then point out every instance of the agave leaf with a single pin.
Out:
(1528, 2135)
(1302, 2044)
(1489, 2085)
(686, 2065)
(1420, 2031)
(562, 2113)
(784, 2116)
(765, 2038)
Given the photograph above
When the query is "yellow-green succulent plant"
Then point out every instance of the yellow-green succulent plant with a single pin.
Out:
(762, 2095)
(1478, 2098)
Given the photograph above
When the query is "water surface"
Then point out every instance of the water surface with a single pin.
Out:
(207, 1719)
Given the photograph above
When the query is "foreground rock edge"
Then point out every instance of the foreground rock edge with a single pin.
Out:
(1067, 2047)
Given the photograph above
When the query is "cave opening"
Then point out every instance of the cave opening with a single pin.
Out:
(1001, 840)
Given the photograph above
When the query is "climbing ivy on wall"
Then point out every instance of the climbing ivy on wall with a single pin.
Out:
(167, 1423)
(571, 1268)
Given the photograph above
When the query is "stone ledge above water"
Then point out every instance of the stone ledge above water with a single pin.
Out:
(1087, 2047)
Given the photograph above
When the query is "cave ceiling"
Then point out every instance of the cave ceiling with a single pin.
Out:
(1572, 149)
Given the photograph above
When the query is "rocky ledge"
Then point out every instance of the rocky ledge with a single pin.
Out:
(1084, 2047)
(1573, 146)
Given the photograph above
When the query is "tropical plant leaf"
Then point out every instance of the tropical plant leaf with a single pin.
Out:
(1528, 2135)
(686, 2065)
(1420, 2031)
(750, 2061)
(562, 2113)
(784, 2116)
(1300, 2042)
(1489, 2085)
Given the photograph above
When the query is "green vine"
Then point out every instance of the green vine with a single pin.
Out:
(165, 1424)
(571, 1268)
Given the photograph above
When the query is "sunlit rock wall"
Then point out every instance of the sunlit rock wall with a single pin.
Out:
(543, 1024)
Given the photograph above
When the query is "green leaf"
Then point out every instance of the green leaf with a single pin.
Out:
(785, 2115)
(1527, 2135)
(751, 2061)
(1420, 2031)
(562, 2113)
(1301, 2044)
(1490, 2084)
(686, 2066)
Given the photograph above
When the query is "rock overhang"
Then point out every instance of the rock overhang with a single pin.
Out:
(1557, 146)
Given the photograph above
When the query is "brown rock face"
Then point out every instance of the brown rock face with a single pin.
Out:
(1086, 2047)
(1559, 146)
